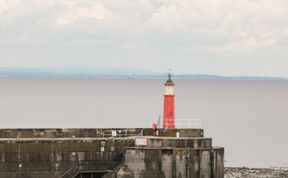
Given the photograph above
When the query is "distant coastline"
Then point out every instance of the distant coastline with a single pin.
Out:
(112, 73)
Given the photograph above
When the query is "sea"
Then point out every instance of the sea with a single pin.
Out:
(248, 118)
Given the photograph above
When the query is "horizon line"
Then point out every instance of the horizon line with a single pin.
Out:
(9, 71)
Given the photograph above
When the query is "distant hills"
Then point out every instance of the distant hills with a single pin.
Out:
(110, 73)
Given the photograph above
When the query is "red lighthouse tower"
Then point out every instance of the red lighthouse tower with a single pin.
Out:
(168, 116)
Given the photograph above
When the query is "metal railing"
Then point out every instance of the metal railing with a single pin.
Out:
(118, 133)
(184, 123)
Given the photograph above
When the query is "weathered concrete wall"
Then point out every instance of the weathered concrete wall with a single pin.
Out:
(175, 163)
(51, 158)
(49, 153)
(182, 142)
(125, 172)
(95, 133)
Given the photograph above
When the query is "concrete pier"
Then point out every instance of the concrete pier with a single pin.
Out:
(109, 153)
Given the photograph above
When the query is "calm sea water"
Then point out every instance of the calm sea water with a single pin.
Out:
(248, 118)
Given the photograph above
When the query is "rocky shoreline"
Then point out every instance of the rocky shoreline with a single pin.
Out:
(244, 172)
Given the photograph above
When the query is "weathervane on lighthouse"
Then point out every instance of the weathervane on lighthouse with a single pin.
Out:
(169, 112)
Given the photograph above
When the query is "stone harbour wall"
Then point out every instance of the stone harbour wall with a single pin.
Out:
(175, 163)
(108, 153)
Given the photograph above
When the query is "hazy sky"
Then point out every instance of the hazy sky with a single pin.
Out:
(226, 37)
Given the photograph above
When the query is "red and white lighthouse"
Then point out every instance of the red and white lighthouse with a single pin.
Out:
(169, 112)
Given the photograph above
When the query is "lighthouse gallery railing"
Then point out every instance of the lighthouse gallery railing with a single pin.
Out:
(186, 123)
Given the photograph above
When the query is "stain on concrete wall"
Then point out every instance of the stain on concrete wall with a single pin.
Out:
(205, 165)
(181, 163)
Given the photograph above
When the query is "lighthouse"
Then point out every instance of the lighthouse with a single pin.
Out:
(168, 116)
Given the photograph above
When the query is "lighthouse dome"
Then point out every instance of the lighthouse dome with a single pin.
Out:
(169, 82)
